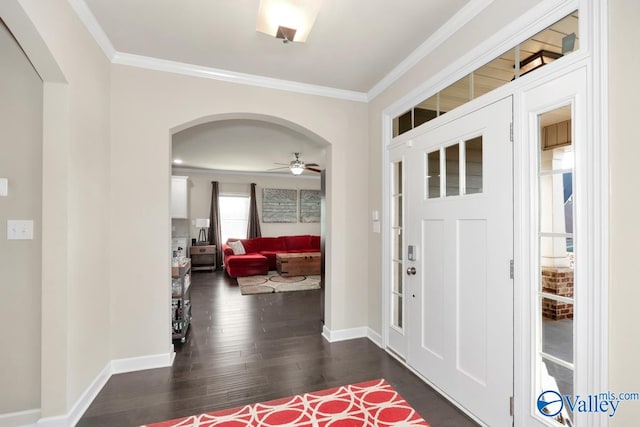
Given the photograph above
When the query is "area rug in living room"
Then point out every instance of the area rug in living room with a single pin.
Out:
(273, 282)
(368, 404)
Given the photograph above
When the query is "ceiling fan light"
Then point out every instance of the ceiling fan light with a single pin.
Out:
(296, 168)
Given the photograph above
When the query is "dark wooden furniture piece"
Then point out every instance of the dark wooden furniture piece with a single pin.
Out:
(203, 257)
(298, 264)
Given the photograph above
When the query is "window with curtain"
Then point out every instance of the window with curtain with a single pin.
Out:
(234, 216)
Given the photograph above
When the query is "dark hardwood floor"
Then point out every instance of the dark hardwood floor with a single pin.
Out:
(247, 349)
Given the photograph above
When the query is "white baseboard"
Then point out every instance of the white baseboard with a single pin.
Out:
(21, 418)
(130, 364)
(343, 334)
(81, 405)
(352, 333)
(117, 366)
(57, 421)
(375, 337)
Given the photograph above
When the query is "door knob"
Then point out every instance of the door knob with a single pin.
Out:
(411, 271)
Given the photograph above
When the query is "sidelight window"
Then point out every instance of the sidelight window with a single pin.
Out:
(397, 288)
(556, 280)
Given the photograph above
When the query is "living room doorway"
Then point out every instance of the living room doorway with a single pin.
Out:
(236, 150)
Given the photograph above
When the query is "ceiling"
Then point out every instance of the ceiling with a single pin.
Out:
(352, 45)
(355, 46)
(244, 145)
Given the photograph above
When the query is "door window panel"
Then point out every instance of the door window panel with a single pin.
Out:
(452, 156)
(433, 174)
(473, 165)
(397, 311)
(557, 326)
(462, 176)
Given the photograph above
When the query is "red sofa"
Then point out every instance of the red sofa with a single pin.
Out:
(260, 256)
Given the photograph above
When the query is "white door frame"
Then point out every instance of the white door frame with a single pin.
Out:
(592, 57)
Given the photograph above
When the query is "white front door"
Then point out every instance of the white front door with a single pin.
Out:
(459, 237)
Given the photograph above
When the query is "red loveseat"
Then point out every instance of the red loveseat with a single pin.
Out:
(260, 253)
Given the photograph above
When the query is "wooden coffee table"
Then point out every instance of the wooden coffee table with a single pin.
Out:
(298, 264)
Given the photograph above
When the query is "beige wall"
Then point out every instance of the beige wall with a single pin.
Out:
(110, 119)
(20, 260)
(146, 107)
(200, 200)
(624, 140)
(75, 179)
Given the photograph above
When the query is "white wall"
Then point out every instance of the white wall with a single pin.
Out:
(146, 107)
(624, 140)
(200, 199)
(20, 260)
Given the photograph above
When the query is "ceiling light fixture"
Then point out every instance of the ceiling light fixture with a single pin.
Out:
(537, 60)
(177, 161)
(289, 20)
(286, 34)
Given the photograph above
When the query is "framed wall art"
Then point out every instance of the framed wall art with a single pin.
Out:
(309, 206)
(279, 205)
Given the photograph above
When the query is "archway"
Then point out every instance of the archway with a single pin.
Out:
(199, 133)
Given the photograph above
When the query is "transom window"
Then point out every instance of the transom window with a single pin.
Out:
(554, 42)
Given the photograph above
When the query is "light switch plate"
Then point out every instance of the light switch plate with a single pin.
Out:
(19, 229)
(4, 187)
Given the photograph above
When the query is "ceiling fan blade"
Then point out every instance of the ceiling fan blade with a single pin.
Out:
(312, 164)
(275, 169)
(283, 164)
(312, 169)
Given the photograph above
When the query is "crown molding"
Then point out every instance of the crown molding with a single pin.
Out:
(464, 15)
(89, 20)
(468, 12)
(192, 170)
(234, 77)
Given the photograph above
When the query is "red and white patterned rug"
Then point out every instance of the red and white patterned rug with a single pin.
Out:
(371, 404)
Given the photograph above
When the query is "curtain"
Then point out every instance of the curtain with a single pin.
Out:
(253, 226)
(214, 222)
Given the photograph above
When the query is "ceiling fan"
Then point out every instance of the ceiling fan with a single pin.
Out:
(297, 166)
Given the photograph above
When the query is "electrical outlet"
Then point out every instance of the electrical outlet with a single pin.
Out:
(18, 229)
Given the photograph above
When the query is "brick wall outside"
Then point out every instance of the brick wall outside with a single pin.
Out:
(558, 281)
